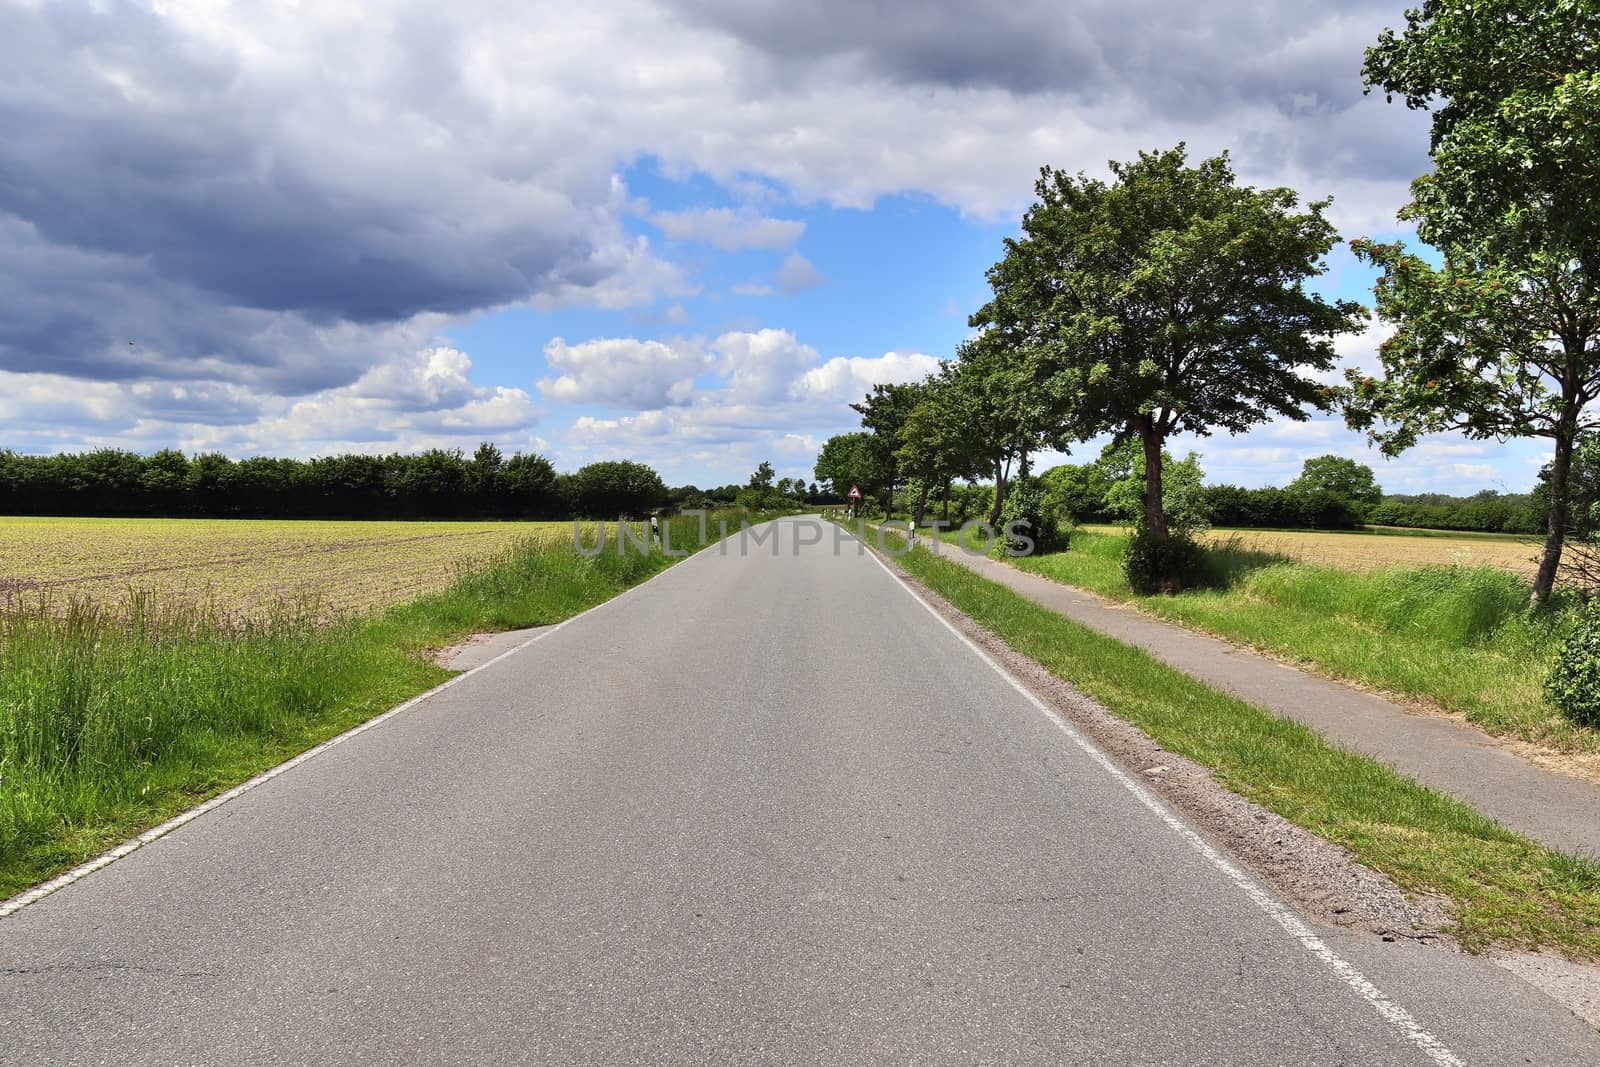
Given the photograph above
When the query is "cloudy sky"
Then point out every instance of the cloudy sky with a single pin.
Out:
(687, 232)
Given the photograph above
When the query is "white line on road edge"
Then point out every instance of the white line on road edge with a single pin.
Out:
(1391, 1012)
(155, 833)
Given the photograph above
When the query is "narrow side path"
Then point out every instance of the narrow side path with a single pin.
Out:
(1556, 810)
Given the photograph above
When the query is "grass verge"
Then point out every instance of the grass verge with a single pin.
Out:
(114, 721)
(1504, 889)
(1460, 637)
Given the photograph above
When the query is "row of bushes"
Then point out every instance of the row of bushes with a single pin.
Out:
(1487, 512)
(1077, 496)
(436, 483)
(1230, 505)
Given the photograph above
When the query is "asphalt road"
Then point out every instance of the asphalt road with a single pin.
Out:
(765, 808)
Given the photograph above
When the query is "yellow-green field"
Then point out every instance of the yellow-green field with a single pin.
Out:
(244, 566)
(1365, 551)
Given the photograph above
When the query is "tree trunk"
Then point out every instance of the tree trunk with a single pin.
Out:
(1155, 516)
(999, 493)
(947, 484)
(888, 502)
(1556, 523)
(922, 504)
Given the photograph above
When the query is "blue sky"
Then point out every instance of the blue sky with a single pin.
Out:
(687, 232)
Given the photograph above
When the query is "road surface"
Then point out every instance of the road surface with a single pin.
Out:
(766, 808)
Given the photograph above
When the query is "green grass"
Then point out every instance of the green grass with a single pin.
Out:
(1504, 889)
(111, 722)
(1459, 637)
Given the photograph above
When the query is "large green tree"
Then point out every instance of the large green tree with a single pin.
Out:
(1005, 408)
(938, 441)
(1170, 299)
(1513, 87)
(883, 412)
(850, 459)
(613, 488)
(1340, 477)
(1502, 338)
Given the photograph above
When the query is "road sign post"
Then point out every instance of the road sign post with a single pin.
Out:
(855, 500)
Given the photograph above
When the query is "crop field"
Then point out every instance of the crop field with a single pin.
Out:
(1365, 551)
(244, 567)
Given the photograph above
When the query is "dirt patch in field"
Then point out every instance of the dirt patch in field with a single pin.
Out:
(443, 657)
(477, 649)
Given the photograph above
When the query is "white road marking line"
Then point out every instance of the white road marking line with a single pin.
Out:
(155, 833)
(1392, 1013)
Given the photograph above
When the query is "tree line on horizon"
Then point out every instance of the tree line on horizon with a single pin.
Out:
(1171, 299)
(1331, 493)
(435, 483)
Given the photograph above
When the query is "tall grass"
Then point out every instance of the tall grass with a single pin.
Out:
(1458, 636)
(115, 717)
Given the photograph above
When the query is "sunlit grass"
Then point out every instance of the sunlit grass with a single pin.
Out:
(1460, 637)
(115, 716)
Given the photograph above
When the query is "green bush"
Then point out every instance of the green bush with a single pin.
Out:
(1163, 565)
(1026, 504)
(1574, 681)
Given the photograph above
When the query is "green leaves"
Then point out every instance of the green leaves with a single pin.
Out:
(1171, 293)
(1515, 94)
(1168, 300)
(1503, 339)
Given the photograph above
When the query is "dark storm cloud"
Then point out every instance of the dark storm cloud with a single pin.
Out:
(151, 191)
(1195, 62)
(88, 314)
(1031, 46)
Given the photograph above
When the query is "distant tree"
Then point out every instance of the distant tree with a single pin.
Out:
(483, 474)
(1078, 490)
(1182, 486)
(528, 485)
(1342, 478)
(163, 481)
(434, 482)
(1169, 300)
(1003, 411)
(883, 412)
(615, 488)
(851, 459)
(208, 475)
(762, 478)
(938, 440)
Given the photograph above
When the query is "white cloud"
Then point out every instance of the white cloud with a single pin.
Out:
(421, 400)
(778, 399)
(761, 366)
(283, 205)
(796, 275)
(729, 229)
(621, 372)
(844, 379)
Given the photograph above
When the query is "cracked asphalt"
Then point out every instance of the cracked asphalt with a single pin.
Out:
(763, 809)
